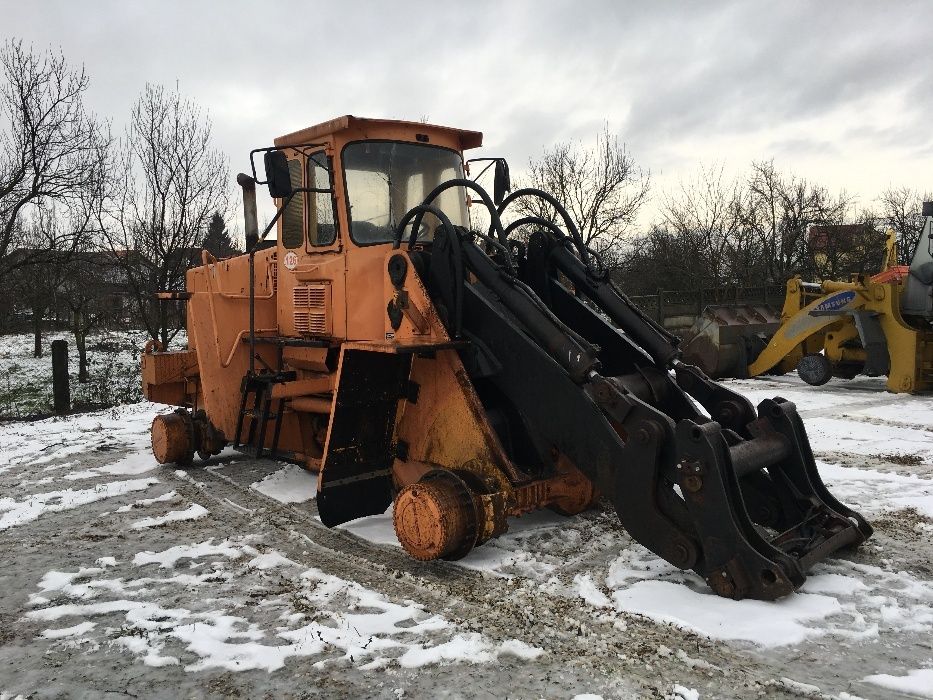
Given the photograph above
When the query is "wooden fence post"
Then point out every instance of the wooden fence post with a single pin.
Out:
(61, 388)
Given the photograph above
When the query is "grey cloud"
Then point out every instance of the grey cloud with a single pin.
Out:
(669, 76)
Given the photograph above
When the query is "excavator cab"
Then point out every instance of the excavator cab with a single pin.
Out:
(468, 376)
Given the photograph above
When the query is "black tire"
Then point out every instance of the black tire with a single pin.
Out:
(847, 371)
(815, 369)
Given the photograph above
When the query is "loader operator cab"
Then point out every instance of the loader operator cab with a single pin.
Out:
(342, 189)
(377, 177)
(917, 299)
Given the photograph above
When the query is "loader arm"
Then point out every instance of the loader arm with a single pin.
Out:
(583, 375)
(814, 318)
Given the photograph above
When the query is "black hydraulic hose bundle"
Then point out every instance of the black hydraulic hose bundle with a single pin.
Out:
(416, 214)
(496, 225)
(561, 211)
(660, 345)
(737, 473)
(566, 346)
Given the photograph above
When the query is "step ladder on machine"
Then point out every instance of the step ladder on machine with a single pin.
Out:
(256, 404)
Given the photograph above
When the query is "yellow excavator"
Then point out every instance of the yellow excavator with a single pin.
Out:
(874, 325)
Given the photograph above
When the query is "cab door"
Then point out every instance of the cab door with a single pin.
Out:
(311, 265)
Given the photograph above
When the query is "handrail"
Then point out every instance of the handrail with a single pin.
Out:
(236, 343)
(231, 295)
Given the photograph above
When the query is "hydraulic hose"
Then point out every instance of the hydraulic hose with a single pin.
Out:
(418, 212)
(496, 221)
(561, 211)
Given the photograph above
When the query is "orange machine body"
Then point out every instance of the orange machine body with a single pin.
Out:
(464, 378)
(320, 305)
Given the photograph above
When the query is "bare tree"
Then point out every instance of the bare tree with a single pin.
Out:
(755, 230)
(900, 210)
(39, 264)
(49, 243)
(707, 212)
(84, 288)
(52, 150)
(663, 258)
(173, 180)
(602, 188)
(779, 210)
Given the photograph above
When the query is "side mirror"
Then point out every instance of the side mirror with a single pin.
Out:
(927, 209)
(501, 182)
(278, 177)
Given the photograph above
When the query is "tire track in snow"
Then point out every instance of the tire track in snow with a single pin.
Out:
(479, 602)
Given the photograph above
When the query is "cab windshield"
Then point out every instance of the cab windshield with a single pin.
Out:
(385, 179)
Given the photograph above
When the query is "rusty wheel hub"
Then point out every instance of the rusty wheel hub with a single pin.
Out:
(172, 438)
(435, 518)
(178, 435)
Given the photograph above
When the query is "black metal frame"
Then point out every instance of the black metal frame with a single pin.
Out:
(256, 383)
(300, 147)
(536, 357)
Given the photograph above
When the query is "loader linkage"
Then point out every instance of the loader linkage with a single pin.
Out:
(735, 496)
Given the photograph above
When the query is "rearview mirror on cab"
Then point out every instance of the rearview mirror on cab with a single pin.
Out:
(277, 175)
(501, 182)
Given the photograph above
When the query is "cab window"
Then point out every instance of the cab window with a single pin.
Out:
(385, 179)
(321, 228)
(293, 234)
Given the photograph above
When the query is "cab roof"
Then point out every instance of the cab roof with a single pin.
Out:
(467, 139)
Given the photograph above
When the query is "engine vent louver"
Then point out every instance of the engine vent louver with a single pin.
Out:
(312, 309)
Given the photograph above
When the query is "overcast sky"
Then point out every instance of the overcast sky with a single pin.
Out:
(840, 92)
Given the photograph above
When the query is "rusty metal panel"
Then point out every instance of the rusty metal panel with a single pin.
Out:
(168, 367)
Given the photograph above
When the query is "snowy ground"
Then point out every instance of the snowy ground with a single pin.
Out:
(127, 579)
(113, 365)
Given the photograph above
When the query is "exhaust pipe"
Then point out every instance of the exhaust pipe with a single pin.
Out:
(250, 217)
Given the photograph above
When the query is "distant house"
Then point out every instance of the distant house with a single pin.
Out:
(54, 275)
(101, 275)
(841, 250)
(825, 238)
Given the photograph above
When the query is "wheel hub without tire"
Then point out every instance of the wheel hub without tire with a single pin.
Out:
(815, 369)
(433, 520)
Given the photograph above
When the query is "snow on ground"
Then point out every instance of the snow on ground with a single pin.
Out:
(192, 512)
(291, 484)
(143, 502)
(879, 491)
(113, 366)
(340, 620)
(836, 434)
(165, 607)
(182, 592)
(917, 682)
(43, 445)
(16, 512)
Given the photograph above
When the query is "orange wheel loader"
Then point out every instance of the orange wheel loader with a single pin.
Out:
(469, 376)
